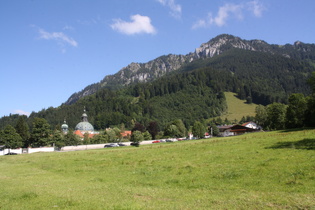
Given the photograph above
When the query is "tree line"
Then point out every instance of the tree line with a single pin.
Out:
(299, 112)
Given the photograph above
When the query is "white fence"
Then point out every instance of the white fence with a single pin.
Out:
(82, 147)
(27, 150)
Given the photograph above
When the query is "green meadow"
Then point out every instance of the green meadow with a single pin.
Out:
(266, 170)
(237, 108)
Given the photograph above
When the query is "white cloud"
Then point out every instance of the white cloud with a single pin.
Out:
(256, 7)
(57, 36)
(67, 27)
(21, 112)
(225, 12)
(176, 9)
(139, 24)
(230, 10)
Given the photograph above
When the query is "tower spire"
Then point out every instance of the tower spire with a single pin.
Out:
(84, 116)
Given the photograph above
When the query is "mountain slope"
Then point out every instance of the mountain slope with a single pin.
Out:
(191, 93)
(145, 72)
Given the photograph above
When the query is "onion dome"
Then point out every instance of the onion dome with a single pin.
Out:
(84, 125)
(64, 127)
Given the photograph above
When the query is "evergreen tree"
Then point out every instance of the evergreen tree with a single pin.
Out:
(40, 135)
(57, 139)
(310, 111)
(311, 82)
(243, 120)
(22, 129)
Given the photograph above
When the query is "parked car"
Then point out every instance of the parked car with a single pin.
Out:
(136, 144)
(121, 144)
(111, 145)
(162, 140)
(156, 141)
(169, 140)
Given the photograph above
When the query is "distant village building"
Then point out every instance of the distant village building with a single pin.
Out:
(64, 127)
(252, 125)
(232, 130)
(85, 127)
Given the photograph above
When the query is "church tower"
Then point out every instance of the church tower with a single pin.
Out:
(64, 127)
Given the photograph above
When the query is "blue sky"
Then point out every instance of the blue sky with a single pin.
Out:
(50, 49)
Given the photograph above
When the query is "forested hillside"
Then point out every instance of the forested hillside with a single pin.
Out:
(163, 65)
(256, 71)
(260, 77)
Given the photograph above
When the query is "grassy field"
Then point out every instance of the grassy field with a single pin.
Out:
(267, 170)
(237, 108)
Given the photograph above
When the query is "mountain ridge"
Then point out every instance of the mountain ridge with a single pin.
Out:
(162, 65)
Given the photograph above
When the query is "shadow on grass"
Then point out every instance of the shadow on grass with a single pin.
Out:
(307, 144)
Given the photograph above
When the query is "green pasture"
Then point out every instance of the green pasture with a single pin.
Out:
(237, 108)
(267, 170)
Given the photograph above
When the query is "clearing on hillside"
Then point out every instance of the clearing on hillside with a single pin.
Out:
(237, 108)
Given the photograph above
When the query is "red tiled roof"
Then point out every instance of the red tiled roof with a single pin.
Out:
(125, 133)
(78, 133)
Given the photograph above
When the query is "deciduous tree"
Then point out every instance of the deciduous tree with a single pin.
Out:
(296, 111)
(261, 115)
(10, 138)
(153, 129)
(198, 129)
(147, 136)
(71, 139)
(276, 116)
(136, 137)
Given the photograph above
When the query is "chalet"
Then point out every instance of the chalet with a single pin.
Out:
(232, 130)
(225, 130)
(252, 125)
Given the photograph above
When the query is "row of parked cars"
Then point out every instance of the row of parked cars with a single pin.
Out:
(166, 140)
(115, 145)
(137, 144)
